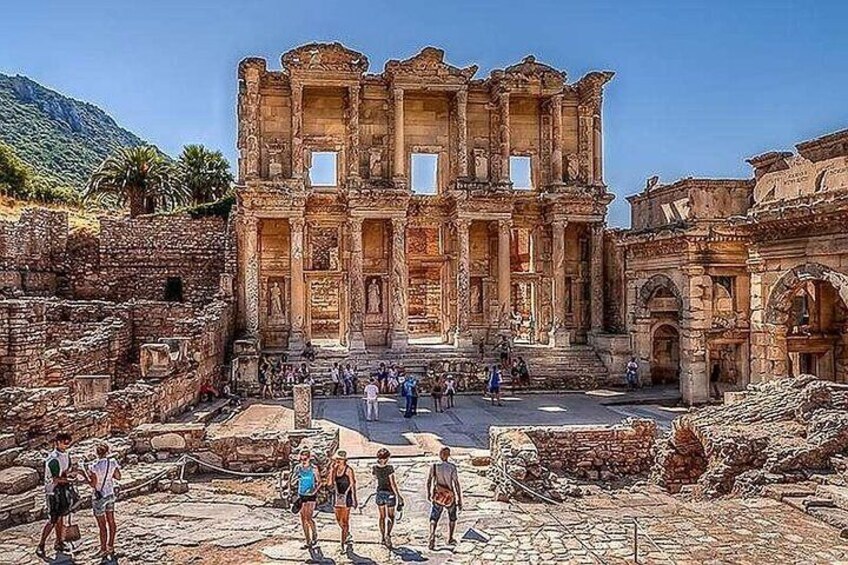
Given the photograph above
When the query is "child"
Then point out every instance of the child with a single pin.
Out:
(450, 389)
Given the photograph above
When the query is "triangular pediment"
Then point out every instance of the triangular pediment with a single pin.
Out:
(333, 57)
(429, 63)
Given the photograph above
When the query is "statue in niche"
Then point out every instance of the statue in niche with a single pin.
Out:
(476, 299)
(375, 163)
(252, 155)
(275, 160)
(277, 311)
(481, 165)
(333, 258)
(573, 170)
(374, 302)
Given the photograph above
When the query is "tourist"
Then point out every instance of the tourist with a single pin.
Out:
(503, 347)
(304, 376)
(388, 495)
(372, 400)
(444, 493)
(343, 482)
(631, 374)
(383, 378)
(450, 389)
(307, 476)
(410, 393)
(515, 322)
(58, 491)
(102, 474)
(277, 378)
(523, 373)
(494, 385)
(393, 382)
(264, 386)
(335, 378)
(308, 352)
(436, 391)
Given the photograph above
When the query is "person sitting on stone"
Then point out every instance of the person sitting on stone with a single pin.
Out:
(309, 352)
(304, 376)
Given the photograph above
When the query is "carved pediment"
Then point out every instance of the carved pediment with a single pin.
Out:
(590, 87)
(530, 70)
(428, 64)
(333, 57)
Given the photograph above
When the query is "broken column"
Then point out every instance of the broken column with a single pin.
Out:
(302, 395)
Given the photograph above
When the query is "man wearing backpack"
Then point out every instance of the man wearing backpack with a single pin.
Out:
(444, 493)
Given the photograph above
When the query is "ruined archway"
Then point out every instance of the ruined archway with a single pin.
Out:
(658, 286)
(805, 323)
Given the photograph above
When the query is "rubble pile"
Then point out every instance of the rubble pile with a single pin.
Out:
(780, 431)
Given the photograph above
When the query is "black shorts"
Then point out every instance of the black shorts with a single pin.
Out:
(57, 507)
(308, 497)
(494, 390)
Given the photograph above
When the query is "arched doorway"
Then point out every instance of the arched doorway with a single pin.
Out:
(665, 355)
(807, 319)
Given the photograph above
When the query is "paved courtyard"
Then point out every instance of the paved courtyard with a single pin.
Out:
(230, 522)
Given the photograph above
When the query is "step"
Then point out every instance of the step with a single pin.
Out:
(837, 494)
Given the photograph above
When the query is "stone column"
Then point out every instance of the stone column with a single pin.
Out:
(504, 278)
(560, 335)
(297, 130)
(597, 278)
(399, 286)
(302, 403)
(252, 121)
(357, 286)
(503, 111)
(556, 138)
(463, 284)
(353, 131)
(598, 148)
(251, 275)
(696, 318)
(461, 101)
(399, 163)
(585, 141)
(297, 296)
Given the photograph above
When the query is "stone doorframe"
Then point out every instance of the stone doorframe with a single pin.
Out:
(643, 324)
(769, 337)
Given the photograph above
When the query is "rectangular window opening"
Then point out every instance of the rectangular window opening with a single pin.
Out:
(425, 167)
(322, 171)
(520, 173)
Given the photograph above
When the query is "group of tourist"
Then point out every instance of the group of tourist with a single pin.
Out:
(443, 492)
(344, 379)
(276, 378)
(60, 477)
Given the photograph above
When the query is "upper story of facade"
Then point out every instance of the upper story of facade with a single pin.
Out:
(323, 124)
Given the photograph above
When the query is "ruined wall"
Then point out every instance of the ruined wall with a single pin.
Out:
(23, 334)
(32, 251)
(138, 256)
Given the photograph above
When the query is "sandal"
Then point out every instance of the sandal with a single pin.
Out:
(39, 551)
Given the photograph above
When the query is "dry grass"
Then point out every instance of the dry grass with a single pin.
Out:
(78, 218)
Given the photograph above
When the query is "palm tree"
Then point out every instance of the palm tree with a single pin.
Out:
(138, 176)
(203, 173)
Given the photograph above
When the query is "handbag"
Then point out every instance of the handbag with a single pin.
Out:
(98, 494)
(72, 531)
(443, 496)
(296, 505)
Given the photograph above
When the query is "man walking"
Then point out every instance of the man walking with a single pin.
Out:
(494, 385)
(444, 493)
(410, 392)
(372, 399)
(335, 378)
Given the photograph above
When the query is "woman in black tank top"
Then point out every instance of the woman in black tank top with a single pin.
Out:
(343, 482)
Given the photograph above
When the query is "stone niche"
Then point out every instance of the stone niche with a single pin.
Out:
(155, 360)
(90, 390)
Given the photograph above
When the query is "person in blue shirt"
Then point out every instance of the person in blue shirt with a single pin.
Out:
(308, 480)
(410, 392)
(494, 385)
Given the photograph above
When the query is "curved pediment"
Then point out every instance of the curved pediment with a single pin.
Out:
(324, 57)
(429, 63)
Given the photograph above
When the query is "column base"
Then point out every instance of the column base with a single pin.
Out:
(560, 338)
(463, 340)
(356, 343)
(400, 340)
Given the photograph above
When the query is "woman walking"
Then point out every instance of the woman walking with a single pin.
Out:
(343, 482)
(307, 477)
(388, 495)
(436, 391)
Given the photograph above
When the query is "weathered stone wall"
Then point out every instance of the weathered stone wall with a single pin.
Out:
(23, 333)
(529, 453)
(139, 255)
(33, 251)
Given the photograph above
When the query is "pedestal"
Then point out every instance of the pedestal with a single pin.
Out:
(302, 401)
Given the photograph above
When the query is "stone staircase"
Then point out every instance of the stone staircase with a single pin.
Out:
(551, 368)
(827, 501)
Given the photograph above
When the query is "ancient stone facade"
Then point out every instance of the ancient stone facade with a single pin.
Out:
(742, 280)
(371, 256)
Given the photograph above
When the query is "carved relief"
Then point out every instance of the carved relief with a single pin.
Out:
(399, 274)
(476, 295)
(276, 303)
(481, 165)
(333, 57)
(275, 151)
(573, 172)
(375, 163)
(375, 296)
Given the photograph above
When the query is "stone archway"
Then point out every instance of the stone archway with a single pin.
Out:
(659, 304)
(787, 344)
(648, 292)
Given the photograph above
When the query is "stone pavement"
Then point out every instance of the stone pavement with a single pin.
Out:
(229, 522)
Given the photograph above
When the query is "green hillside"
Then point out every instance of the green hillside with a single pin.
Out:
(62, 139)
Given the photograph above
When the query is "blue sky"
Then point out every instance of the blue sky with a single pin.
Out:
(700, 86)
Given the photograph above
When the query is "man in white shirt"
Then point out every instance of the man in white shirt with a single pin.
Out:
(335, 378)
(372, 398)
(57, 476)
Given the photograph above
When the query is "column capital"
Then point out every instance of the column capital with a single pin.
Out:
(559, 223)
(461, 224)
(505, 223)
(399, 223)
(355, 223)
(297, 224)
(397, 92)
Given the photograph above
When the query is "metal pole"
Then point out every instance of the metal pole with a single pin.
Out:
(635, 541)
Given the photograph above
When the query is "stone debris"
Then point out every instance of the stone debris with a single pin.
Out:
(780, 431)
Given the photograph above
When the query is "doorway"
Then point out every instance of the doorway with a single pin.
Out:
(665, 355)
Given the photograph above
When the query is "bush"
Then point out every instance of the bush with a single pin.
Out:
(220, 207)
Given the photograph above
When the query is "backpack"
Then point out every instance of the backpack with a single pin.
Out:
(408, 387)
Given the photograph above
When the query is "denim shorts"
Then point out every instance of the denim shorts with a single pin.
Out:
(386, 498)
(436, 512)
(104, 505)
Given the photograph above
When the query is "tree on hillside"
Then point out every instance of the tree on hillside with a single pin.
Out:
(203, 173)
(138, 176)
(15, 175)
